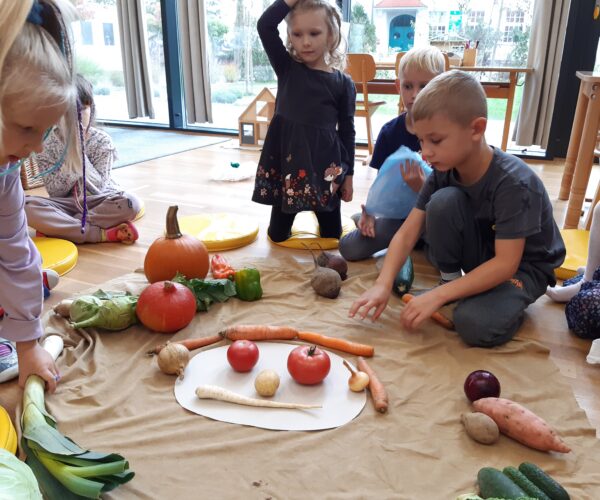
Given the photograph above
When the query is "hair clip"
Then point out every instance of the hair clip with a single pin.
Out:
(35, 15)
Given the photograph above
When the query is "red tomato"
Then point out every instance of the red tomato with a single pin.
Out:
(308, 365)
(242, 355)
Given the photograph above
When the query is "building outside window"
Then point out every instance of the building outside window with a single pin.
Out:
(515, 19)
(109, 36)
(87, 37)
(475, 17)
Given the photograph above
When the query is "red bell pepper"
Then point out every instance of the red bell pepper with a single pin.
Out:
(220, 267)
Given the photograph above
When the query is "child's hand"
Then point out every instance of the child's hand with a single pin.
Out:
(366, 223)
(376, 297)
(347, 189)
(35, 360)
(419, 309)
(413, 175)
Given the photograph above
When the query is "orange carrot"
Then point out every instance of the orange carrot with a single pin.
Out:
(437, 316)
(259, 332)
(191, 344)
(521, 424)
(338, 344)
(378, 392)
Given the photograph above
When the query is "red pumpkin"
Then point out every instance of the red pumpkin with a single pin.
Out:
(175, 253)
(166, 307)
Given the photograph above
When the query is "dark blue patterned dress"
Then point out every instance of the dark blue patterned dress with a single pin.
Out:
(310, 141)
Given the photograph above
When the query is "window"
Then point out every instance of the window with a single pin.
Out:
(87, 37)
(515, 17)
(475, 17)
(514, 22)
(436, 32)
(109, 35)
(438, 24)
(508, 36)
(98, 57)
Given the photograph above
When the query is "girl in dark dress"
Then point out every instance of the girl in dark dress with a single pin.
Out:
(307, 161)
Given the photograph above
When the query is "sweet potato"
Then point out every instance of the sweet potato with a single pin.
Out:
(521, 424)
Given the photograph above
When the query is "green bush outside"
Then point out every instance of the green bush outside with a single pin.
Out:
(116, 78)
(88, 68)
(226, 95)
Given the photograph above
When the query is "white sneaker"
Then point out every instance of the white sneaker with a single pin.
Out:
(50, 278)
(9, 367)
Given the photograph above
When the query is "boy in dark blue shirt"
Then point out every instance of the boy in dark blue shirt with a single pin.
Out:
(417, 67)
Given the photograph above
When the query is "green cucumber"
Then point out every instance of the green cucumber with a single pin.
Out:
(404, 278)
(524, 483)
(492, 483)
(543, 481)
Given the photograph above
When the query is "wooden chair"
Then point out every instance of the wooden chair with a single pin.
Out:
(399, 56)
(361, 68)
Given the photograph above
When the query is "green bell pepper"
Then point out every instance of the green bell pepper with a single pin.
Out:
(247, 283)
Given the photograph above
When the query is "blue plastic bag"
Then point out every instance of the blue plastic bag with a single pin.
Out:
(390, 196)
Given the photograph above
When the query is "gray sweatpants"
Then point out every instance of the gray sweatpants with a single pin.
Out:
(354, 246)
(61, 217)
(454, 242)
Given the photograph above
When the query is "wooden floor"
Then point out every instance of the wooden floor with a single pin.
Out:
(184, 180)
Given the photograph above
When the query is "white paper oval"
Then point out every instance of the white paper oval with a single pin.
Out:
(339, 404)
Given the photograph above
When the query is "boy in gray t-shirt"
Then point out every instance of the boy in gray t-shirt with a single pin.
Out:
(483, 212)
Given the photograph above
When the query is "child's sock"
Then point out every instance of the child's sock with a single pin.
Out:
(593, 357)
(564, 293)
(123, 233)
(447, 277)
(34, 233)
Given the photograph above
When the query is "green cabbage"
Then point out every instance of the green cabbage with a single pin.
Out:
(16, 478)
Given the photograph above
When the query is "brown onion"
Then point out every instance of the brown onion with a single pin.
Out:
(173, 358)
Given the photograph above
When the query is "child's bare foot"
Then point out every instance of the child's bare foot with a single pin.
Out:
(124, 233)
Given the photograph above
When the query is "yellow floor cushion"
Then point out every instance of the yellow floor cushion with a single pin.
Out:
(305, 233)
(576, 242)
(220, 231)
(58, 255)
(141, 211)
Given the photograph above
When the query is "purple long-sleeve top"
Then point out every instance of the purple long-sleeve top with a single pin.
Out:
(21, 292)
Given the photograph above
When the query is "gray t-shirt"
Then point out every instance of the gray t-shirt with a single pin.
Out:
(509, 202)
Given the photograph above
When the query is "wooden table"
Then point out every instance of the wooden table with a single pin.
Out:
(493, 90)
(580, 155)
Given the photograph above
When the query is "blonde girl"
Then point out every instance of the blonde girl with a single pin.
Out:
(36, 92)
(307, 161)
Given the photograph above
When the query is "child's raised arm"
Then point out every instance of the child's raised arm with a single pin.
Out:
(269, 35)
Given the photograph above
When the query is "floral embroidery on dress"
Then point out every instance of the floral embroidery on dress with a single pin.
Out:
(296, 190)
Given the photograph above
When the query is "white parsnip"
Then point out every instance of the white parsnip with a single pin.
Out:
(220, 394)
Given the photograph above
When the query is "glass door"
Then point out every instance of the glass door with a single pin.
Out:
(98, 57)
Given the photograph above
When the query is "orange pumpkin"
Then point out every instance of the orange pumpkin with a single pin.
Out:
(175, 253)
(166, 307)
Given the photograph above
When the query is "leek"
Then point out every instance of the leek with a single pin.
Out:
(63, 469)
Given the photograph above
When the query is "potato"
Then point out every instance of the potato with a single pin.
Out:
(267, 383)
(480, 427)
